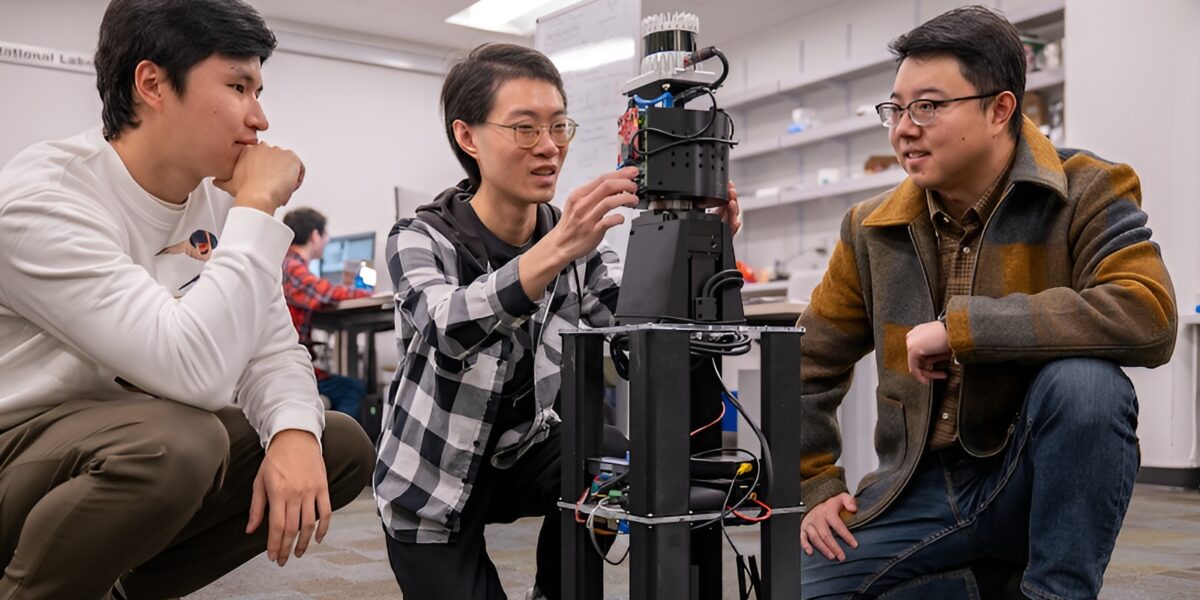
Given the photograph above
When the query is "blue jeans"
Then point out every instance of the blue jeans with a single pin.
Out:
(1053, 501)
(344, 393)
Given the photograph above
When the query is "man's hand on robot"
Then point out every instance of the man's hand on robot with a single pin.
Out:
(731, 212)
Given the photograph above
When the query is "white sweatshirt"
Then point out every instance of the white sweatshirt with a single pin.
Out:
(108, 292)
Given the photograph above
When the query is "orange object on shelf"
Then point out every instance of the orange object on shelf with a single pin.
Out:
(747, 272)
(880, 162)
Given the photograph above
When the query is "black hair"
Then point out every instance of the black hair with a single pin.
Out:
(469, 92)
(987, 47)
(304, 221)
(175, 35)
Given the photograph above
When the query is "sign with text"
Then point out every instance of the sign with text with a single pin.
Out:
(48, 58)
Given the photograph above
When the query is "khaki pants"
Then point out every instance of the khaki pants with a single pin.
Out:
(153, 492)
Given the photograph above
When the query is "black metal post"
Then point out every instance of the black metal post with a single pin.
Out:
(353, 366)
(372, 366)
(660, 399)
(582, 406)
(781, 425)
(707, 398)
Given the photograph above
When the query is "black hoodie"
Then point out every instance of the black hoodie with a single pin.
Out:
(451, 215)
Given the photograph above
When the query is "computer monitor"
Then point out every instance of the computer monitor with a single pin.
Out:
(356, 247)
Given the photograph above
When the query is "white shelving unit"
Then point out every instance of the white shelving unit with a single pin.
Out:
(842, 129)
(867, 183)
(819, 133)
(1036, 81)
(1045, 79)
(875, 182)
(803, 82)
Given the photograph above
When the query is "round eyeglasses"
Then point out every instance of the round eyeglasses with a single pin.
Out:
(921, 111)
(528, 136)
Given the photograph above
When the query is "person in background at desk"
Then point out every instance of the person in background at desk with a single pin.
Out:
(159, 422)
(306, 292)
(1003, 285)
(486, 277)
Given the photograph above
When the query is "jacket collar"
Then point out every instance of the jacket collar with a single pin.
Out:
(1036, 162)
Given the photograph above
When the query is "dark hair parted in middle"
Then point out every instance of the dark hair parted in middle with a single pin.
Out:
(469, 92)
(304, 221)
(175, 35)
(988, 49)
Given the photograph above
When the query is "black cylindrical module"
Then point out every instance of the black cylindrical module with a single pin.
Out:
(675, 40)
(686, 155)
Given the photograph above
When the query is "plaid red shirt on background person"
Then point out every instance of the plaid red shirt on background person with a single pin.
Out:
(306, 292)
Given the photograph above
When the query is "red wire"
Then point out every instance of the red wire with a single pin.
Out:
(762, 517)
(580, 503)
(715, 421)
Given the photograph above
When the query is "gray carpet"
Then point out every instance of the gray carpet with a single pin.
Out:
(1157, 557)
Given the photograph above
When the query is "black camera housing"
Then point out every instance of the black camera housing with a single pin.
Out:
(680, 169)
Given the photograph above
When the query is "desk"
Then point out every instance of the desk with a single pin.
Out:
(350, 318)
(780, 312)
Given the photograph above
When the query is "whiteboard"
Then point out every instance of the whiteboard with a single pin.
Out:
(576, 39)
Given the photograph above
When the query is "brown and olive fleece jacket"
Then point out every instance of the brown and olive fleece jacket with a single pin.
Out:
(1066, 268)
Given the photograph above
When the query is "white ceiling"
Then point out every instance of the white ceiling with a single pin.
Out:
(424, 21)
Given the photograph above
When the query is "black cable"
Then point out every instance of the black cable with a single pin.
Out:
(755, 578)
(690, 141)
(725, 343)
(728, 281)
(736, 345)
(732, 347)
(722, 343)
(727, 509)
(732, 546)
(618, 350)
(702, 55)
(724, 65)
(762, 439)
(691, 137)
(706, 289)
(603, 503)
(712, 118)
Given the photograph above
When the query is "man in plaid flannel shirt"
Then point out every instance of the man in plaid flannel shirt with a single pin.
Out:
(306, 292)
(486, 277)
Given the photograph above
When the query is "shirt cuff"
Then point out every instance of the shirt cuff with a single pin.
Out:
(301, 418)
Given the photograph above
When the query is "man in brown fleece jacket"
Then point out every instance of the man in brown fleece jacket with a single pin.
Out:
(1002, 286)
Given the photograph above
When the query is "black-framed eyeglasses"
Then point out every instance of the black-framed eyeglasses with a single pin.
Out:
(527, 136)
(922, 111)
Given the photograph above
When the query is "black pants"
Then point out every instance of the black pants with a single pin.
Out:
(462, 569)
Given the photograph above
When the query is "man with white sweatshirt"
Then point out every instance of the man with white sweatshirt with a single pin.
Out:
(159, 423)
